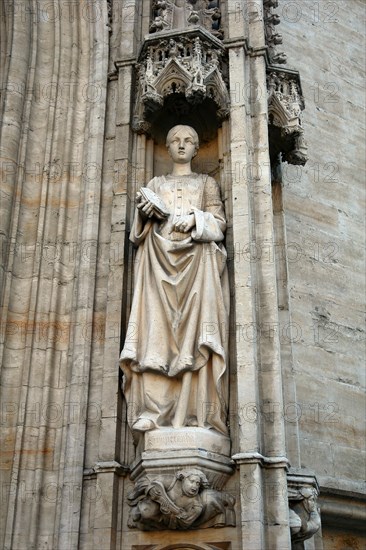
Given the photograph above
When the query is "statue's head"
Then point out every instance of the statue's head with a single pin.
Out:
(182, 134)
(192, 481)
(309, 498)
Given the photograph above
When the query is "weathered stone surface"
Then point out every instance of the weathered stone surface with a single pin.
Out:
(70, 169)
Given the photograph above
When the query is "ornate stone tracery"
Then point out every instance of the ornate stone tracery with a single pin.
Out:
(285, 104)
(188, 66)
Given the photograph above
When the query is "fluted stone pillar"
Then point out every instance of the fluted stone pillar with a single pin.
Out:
(53, 106)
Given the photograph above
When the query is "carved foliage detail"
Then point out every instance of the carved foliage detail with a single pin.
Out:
(182, 14)
(186, 502)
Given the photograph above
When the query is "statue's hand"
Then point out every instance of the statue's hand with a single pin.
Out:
(146, 207)
(185, 223)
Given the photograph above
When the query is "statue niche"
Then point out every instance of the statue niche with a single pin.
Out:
(175, 72)
(285, 104)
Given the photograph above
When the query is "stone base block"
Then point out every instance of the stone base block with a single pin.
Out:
(171, 439)
(169, 450)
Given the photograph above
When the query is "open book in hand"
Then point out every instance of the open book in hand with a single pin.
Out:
(156, 201)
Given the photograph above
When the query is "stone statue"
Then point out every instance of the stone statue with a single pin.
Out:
(174, 358)
(185, 503)
(305, 518)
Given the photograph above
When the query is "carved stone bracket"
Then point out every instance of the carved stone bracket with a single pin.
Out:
(285, 104)
(273, 38)
(187, 68)
(182, 14)
(185, 501)
(303, 491)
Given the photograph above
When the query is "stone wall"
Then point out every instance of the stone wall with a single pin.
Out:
(323, 206)
(70, 168)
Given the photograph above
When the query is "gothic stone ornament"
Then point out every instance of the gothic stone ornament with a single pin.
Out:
(183, 14)
(186, 502)
(189, 65)
(273, 38)
(285, 103)
(110, 14)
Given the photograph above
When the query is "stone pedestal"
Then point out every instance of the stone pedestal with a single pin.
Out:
(168, 450)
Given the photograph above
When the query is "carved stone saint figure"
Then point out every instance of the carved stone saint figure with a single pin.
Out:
(174, 358)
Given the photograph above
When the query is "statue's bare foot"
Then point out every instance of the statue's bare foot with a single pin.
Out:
(143, 425)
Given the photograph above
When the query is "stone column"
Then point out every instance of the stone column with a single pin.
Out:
(54, 143)
(109, 442)
(261, 443)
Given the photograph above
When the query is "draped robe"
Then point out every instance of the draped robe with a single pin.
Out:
(179, 314)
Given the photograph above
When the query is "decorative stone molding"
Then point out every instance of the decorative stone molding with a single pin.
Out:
(265, 461)
(182, 14)
(107, 467)
(185, 502)
(304, 514)
(189, 66)
(273, 38)
(285, 104)
(343, 508)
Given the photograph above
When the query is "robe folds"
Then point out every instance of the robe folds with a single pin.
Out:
(180, 310)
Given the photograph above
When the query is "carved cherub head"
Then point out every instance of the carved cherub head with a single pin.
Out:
(192, 481)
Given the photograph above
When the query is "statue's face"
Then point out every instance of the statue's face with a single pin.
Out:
(191, 485)
(311, 504)
(182, 146)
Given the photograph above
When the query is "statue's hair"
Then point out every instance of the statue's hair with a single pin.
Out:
(176, 129)
(307, 492)
(182, 474)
